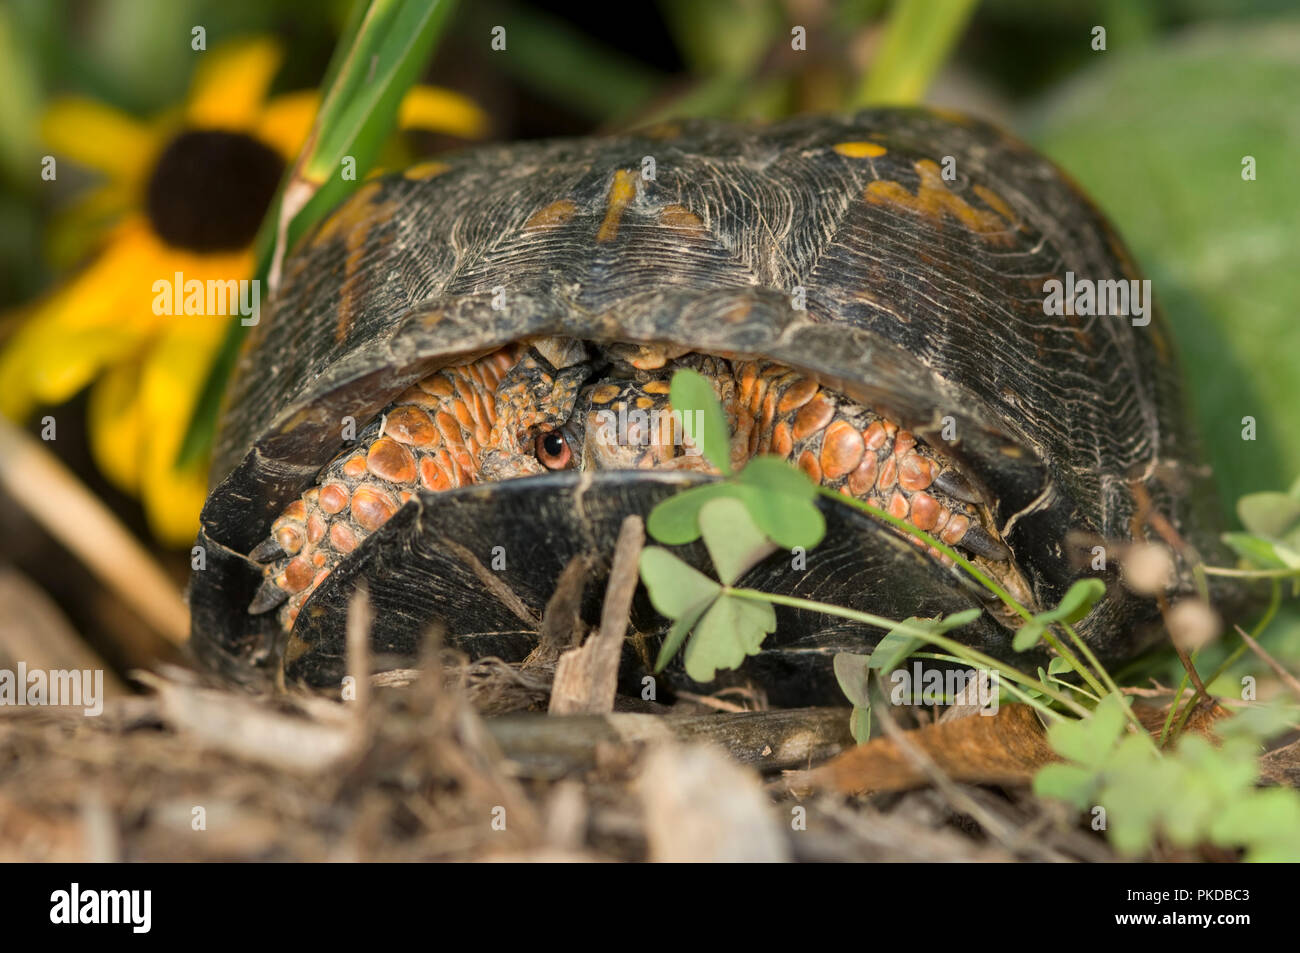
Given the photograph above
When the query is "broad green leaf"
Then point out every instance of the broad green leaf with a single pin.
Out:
(1079, 600)
(1262, 553)
(772, 473)
(956, 620)
(1058, 666)
(1088, 740)
(1219, 249)
(1027, 635)
(675, 520)
(1066, 782)
(691, 392)
(734, 543)
(1269, 514)
(677, 634)
(732, 629)
(851, 673)
(1259, 819)
(860, 725)
(674, 587)
(787, 520)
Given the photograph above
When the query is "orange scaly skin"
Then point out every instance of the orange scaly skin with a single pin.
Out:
(845, 446)
(430, 438)
(462, 426)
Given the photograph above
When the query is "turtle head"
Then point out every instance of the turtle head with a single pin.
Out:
(568, 406)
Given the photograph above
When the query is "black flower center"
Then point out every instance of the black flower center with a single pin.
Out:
(210, 190)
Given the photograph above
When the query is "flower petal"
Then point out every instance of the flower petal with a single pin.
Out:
(115, 425)
(174, 371)
(442, 110)
(231, 83)
(99, 136)
(95, 319)
(287, 119)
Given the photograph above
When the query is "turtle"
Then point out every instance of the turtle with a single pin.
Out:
(462, 383)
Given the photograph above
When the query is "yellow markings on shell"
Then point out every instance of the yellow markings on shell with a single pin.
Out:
(859, 150)
(995, 202)
(425, 170)
(353, 213)
(681, 219)
(553, 215)
(933, 199)
(621, 194)
(352, 223)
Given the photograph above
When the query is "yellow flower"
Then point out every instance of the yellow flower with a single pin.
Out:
(184, 193)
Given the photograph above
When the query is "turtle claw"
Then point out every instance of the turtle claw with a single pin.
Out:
(267, 550)
(979, 542)
(955, 485)
(269, 595)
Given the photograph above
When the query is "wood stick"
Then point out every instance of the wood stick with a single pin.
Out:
(40, 483)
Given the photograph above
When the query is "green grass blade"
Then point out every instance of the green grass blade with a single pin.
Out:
(384, 47)
(918, 38)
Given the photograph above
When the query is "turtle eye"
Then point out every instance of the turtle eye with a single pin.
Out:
(553, 450)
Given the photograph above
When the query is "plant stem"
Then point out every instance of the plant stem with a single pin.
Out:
(979, 576)
(1252, 573)
(971, 656)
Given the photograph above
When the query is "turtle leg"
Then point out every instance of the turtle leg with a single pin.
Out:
(432, 437)
(843, 445)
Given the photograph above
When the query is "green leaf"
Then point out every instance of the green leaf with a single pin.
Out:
(675, 520)
(917, 40)
(1220, 250)
(675, 588)
(1256, 723)
(1262, 553)
(1269, 514)
(890, 651)
(767, 472)
(1027, 635)
(787, 520)
(1067, 782)
(732, 629)
(734, 543)
(1075, 604)
(1058, 666)
(955, 621)
(1258, 820)
(851, 673)
(1079, 600)
(1088, 740)
(691, 392)
(677, 634)
(860, 725)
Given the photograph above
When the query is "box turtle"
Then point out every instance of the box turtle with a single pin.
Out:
(459, 386)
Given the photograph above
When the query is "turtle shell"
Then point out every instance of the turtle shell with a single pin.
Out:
(898, 255)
